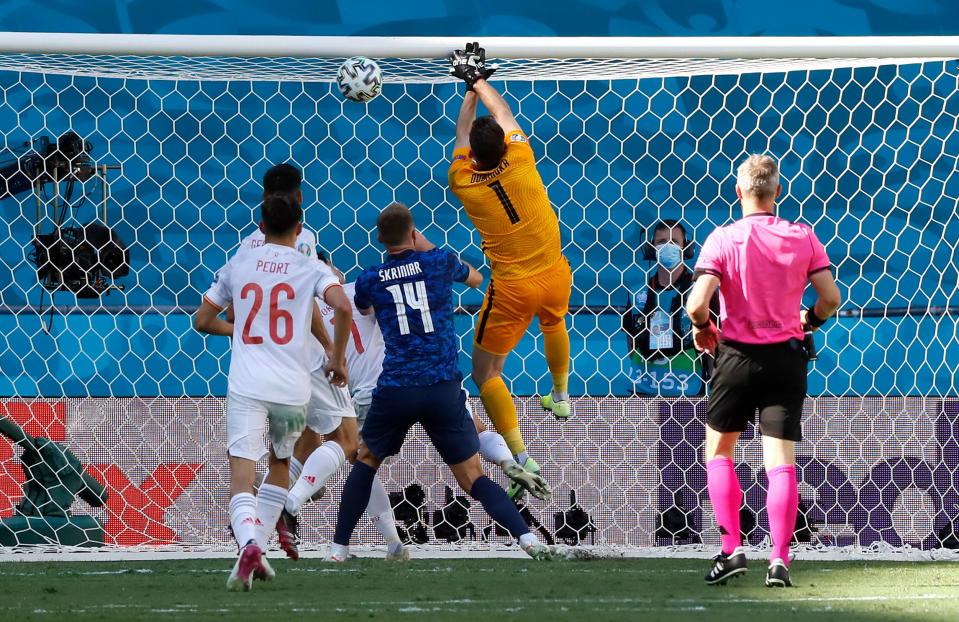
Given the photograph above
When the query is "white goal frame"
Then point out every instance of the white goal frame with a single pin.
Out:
(243, 46)
(719, 55)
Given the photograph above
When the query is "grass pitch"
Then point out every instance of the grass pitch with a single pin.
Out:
(476, 589)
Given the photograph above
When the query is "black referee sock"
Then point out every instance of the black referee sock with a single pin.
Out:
(498, 506)
(356, 496)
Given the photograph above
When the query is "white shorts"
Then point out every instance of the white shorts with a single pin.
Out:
(328, 404)
(246, 420)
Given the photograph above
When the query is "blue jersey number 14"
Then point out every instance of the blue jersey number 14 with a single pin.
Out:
(412, 295)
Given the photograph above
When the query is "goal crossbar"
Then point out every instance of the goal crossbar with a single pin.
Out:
(250, 46)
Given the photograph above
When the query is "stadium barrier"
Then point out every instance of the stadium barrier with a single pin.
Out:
(874, 471)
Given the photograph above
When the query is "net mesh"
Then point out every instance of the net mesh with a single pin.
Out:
(122, 383)
(411, 70)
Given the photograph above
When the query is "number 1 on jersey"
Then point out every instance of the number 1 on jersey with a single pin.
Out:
(505, 201)
(415, 297)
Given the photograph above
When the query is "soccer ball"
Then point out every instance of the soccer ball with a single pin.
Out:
(359, 79)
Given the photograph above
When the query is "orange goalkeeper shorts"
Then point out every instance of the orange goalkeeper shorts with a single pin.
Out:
(510, 305)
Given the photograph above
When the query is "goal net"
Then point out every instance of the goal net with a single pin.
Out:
(113, 407)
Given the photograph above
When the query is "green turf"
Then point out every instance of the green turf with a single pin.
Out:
(496, 589)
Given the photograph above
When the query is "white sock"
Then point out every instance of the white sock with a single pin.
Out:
(493, 448)
(528, 539)
(381, 512)
(296, 467)
(522, 457)
(243, 517)
(269, 505)
(559, 397)
(319, 467)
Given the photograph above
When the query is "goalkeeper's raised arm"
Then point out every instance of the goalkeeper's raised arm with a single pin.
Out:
(497, 106)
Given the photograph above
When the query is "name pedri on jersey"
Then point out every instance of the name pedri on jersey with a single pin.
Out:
(271, 288)
(412, 295)
(364, 350)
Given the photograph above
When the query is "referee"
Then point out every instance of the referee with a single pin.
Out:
(761, 264)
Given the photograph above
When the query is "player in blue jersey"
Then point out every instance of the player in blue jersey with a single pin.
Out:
(411, 294)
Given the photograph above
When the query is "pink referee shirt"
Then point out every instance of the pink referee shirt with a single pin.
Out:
(763, 263)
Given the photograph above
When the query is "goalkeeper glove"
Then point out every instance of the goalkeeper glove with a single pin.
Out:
(469, 65)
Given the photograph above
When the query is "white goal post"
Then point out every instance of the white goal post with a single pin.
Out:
(175, 132)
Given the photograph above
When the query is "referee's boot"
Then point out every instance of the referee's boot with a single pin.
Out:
(559, 408)
(726, 567)
(778, 574)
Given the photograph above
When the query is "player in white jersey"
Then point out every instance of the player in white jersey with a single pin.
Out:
(331, 437)
(271, 289)
(364, 352)
(286, 180)
(330, 415)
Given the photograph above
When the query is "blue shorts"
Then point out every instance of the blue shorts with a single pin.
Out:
(440, 409)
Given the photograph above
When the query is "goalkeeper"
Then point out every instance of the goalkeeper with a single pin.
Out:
(493, 173)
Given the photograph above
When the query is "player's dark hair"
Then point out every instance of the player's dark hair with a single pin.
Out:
(279, 214)
(282, 179)
(487, 140)
(668, 224)
(393, 224)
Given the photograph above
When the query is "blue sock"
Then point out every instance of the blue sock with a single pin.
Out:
(498, 506)
(356, 496)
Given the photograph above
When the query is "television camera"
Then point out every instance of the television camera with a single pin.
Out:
(83, 259)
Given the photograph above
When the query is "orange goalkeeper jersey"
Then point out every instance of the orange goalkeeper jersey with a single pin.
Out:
(509, 207)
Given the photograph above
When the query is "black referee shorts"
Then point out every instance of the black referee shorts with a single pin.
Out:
(770, 378)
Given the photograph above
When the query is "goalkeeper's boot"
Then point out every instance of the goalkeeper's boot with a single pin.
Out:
(241, 577)
(515, 490)
(396, 552)
(778, 574)
(528, 480)
(559, 408)
(264, 572)
(725, 567)
(286, 530)
(540, 552)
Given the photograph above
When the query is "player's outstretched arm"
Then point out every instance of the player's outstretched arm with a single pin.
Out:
(475, 278)
(465, 120)
(342, 324)
(827, 303)
(496, 105)
(207, 320)
(705, 335)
